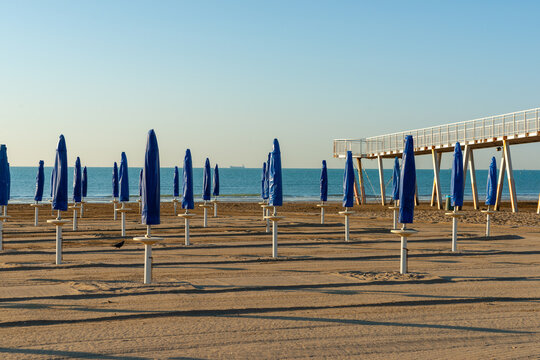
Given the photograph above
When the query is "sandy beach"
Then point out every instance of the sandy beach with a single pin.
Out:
(225, 297)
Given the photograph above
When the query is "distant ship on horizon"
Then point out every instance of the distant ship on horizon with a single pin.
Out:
(237, 167)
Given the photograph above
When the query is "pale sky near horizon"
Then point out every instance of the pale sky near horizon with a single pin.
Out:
(225, 77)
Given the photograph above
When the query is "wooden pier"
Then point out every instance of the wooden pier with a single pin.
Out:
(519, 127)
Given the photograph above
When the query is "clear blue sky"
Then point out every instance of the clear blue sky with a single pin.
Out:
(225, 77)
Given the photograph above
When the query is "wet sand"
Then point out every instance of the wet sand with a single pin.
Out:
(225, 297)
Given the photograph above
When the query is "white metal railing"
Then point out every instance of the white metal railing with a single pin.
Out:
(512, 124)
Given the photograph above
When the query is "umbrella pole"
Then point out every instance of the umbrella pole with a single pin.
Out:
(1, 235)
(403, 263)
(123, 219)
(187, 229)
(205, 222)
(322, 214)
(147, 257)
(347, 228)
(114, 208)
(454, 231)
(82, 208)
(174, 204)
(36, 214)
(487, 223)
(274, 236)
(75, 225)
(215, 206)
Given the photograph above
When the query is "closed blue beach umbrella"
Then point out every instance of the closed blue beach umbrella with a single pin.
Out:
(4, 176)
(77, 181)
(176, 183)
(395, 180)
(215, 190)
(456, 182)
(84, 182)
(150, 182)
(40, 182)
(9, 182)
(264, 196)
(60, 180)
(348, 182)
(491, 189)
(124, 178)
(407, 183)
(53, 176)
(267, 179)
(324, 182)
(206, 181)
(140, 182)
(187, 190)
(115, 181)
(275, 183)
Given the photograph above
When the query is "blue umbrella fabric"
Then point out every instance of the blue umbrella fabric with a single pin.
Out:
(395, 180)
(348, 182)
(115, 181)
(188, 202)
(324, 182)
(53, 176)
(4, 176)
(215, 190)
(60, 180)
(84, 182)
(263, 182)
(275, 183)
(407, 183)
(40, 182)
(207, 182)
(456, 181)
(9, 182)
(77, 181)
(124, 178)
(140, 182)
(150, 182)
(267, 179)
(176, 183)
(491, 188)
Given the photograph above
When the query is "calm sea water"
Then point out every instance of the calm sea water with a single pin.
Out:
(244, 184)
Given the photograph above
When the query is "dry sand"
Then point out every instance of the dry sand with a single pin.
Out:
(225, 297)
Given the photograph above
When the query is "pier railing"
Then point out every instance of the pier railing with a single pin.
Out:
(491, 128)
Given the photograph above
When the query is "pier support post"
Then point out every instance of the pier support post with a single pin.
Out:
(500, 183)
(510, 175)
(468, 161)
(506, 165)
(361, 180)
(381, 180)
(436, 192)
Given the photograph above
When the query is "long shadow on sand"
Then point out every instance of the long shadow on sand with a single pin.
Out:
(384, 323)
(65, 354)
(243, 311)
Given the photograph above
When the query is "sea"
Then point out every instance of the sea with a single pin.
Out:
(244, 184)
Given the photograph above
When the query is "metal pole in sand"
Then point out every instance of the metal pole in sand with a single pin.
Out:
(322, 205)
(58, 222)
(274, 218)
(36, 206)
(139, 200)
(395, 209)
(3, 218)
(175, 202)
(187, 215)
(123, 211)
(488, 220)
(83, 201)
(114, 201)
(404, 233)
(148, 240)
(75, 207)
(346, 213)
(215, 206)
(455, 215)
(205, 206)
